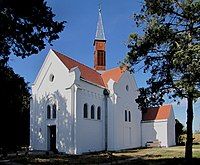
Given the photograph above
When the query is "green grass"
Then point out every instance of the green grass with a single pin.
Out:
(148, 156)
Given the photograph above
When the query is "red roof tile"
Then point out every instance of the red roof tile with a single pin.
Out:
(157, 113)
(87, 73)
(113, 74)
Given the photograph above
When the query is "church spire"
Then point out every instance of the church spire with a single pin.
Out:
(100, 31)
(100, 45)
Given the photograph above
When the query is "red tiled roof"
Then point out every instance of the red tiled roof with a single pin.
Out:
(157, 113)
(113, 74)
(87, 73)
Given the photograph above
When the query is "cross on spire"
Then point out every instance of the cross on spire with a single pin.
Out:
(100, 2)
(100, 31)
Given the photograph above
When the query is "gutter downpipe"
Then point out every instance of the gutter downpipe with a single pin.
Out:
(106, 94)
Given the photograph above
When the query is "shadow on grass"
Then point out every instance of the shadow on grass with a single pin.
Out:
(54, 159)
(96, 159)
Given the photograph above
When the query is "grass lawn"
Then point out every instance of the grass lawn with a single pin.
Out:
(148, 156)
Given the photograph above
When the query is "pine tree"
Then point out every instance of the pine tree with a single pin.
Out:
(169, 49)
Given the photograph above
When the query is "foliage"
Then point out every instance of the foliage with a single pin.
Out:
(25, 27)
(14, 96)
(169, 50)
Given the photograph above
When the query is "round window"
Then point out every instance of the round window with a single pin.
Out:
(51, 77)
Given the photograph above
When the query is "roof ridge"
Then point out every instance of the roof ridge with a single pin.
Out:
(112, 69)
(76, 61)
(157, 113)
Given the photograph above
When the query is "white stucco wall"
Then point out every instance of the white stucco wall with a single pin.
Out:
(74, 133)
(90, 132)
(163, 130)
(154, 130)
(45, 92)
(124, 134)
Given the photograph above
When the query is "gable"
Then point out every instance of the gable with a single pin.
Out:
(87, 73)
(52, 66)
(114, 74)
(157, 113)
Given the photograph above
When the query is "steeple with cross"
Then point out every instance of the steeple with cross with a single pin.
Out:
(100, 45)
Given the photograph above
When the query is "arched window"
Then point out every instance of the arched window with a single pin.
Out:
(125, 115)
(129, 116)
(54, 111)
(48, 111)
(92, 112)
(85, 111)
(99, 113)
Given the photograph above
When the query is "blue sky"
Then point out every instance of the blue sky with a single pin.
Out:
(77, 38)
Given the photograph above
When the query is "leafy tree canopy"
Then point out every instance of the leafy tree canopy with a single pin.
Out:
(14, 96)
(169, 50)
(25, 27)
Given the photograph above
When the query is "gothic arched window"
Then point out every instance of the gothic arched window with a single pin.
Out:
(92, 112)
(99, 113)
(125, 115)
(54, 111)
(129, 116)
(48, 111)
(85, 111)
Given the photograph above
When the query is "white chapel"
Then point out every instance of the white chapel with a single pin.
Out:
(77, 109)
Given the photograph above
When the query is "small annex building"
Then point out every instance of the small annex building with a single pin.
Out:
(158, 124)
(76, 108)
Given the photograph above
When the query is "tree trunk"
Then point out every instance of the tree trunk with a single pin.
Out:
(188, 147)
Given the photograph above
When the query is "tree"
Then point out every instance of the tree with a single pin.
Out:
(25, 27)
(178, 131)
(14, 97)
(169, 50)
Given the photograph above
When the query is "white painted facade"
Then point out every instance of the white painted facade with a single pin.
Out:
(76, 134)
(46, 93)
(161, 130)
(65, 90)
(123, 134)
